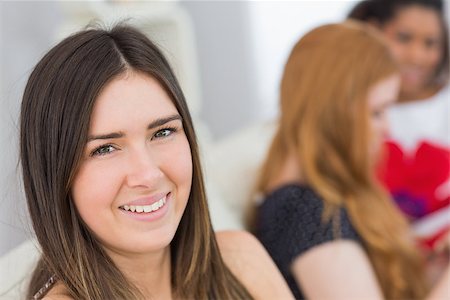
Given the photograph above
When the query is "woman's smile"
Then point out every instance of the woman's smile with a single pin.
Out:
(147, 209)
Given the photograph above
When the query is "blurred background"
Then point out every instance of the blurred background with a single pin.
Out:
(228, 54)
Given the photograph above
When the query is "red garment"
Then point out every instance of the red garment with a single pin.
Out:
(414, 180)
(419, 182)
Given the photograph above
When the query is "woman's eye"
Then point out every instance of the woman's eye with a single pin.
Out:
(377, 114)
(431, 43)
(164, 133)
(403, 37)
(106, 149)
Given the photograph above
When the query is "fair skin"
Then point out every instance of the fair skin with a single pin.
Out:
(252, 265)
(341, 269)
(414, 36)
(381, 96)
(133, 186)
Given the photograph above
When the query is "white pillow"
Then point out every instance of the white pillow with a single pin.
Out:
(234, 162)
(15, 270)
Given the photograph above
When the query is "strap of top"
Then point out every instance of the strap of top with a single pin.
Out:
(43, 290)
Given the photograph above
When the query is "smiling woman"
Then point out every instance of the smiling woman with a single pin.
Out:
(417, 34)
(114, 186)
(134, 164)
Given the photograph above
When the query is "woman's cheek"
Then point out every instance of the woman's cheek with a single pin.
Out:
(97, 182)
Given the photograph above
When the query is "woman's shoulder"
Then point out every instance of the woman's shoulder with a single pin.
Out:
(57, 297)
(57, 292)
(239, 249)
(290, 205)
(228, 238)
(320, 272)
(245, 256)
(291, 196)
(291, 222)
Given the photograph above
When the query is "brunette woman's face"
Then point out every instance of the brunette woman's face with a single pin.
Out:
(415, 37)
(381, 96)
(135, 177)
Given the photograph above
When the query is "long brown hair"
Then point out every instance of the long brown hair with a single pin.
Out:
(325, 123)
(55, 115)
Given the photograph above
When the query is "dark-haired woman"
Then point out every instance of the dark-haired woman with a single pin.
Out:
(114, 185)
(417, 165)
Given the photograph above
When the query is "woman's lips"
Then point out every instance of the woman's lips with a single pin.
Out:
(150, 212)
(415, 75)
(145, 208)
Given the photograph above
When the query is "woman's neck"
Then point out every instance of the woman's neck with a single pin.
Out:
(419, 95)
(150, 273)
(290, 172)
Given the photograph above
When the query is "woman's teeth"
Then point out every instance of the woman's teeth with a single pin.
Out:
(145, 208)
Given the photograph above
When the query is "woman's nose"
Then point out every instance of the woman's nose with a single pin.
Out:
(417, 53)
(143, 169)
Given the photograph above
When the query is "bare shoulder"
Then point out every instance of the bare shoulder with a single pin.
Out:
(251, 264)
(319, 272)
(240, 250)
(57, 292)
(232, 240)
(57, 297)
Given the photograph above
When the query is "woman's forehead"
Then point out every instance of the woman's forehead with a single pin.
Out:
(130, 100)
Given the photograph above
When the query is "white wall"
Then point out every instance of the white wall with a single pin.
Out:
(242, 48)
(25, 31)
(275, 27)
(224, 44)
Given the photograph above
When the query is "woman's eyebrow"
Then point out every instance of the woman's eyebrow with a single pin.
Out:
(113, 135)
(120, 134)
(162, 121)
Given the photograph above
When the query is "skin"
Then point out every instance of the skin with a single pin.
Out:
(126, 160)
(380, 98)
(320, 272)
(252, 265)
(415, 37)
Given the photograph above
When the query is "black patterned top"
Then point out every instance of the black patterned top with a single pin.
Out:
(290, 223)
